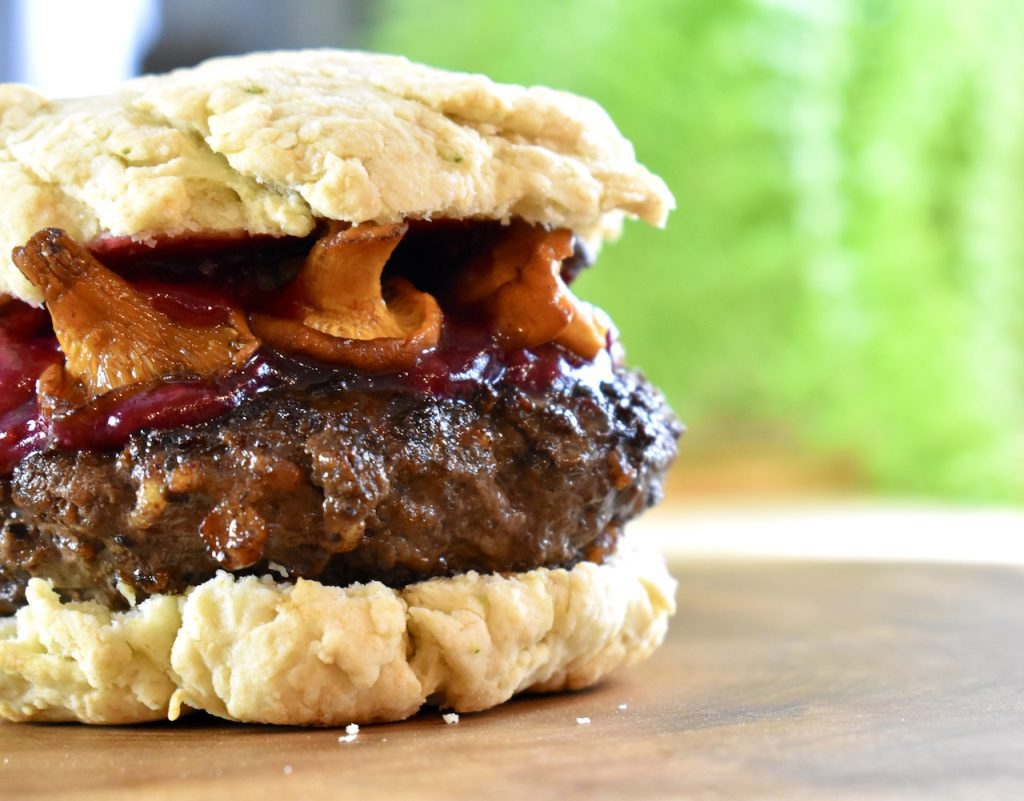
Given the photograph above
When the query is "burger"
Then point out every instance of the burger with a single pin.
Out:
(300, 421)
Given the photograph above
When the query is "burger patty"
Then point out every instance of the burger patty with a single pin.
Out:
(340, 485)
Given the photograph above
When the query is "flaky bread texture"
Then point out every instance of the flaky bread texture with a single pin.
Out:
(268, 143)
(251, 649)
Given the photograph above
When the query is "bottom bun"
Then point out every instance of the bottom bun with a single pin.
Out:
(255, 650)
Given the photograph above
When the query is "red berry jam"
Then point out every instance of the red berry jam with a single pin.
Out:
(27, 348)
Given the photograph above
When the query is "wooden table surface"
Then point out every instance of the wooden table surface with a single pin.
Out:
(779, 680)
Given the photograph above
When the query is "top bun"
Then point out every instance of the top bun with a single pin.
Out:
(268, 143)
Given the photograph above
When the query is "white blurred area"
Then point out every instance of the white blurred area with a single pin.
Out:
(70, 48)
(868, 530)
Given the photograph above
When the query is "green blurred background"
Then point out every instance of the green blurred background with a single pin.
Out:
(841, 287)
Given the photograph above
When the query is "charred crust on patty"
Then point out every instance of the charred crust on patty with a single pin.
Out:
(341, 487)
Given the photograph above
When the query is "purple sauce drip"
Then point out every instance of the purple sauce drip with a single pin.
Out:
(27, 348)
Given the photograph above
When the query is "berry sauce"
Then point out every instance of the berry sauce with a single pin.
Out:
(466, 361)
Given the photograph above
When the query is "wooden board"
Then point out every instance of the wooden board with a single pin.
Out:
(779, 680)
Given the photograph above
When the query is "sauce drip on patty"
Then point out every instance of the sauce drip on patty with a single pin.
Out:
(466, 361)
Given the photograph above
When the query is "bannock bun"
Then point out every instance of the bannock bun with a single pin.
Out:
(270, 143)
(264, 651)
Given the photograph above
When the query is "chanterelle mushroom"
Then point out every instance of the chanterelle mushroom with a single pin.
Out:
(344, 315)
(110, 332)
(519, 284)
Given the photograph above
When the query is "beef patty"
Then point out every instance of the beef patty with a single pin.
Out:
(342, 486)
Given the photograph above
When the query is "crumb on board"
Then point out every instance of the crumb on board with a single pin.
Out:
(623, 707)
(288, 770)
(582, 721)
(351, 732)
(450, 717)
